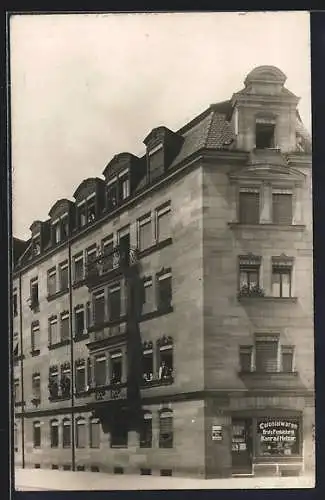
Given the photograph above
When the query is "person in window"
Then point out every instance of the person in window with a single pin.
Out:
(148, 376)
(164, 371)
(91, 216)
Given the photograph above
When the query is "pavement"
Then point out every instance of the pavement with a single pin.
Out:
(49, 480)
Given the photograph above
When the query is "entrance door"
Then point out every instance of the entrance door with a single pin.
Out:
(241, 446)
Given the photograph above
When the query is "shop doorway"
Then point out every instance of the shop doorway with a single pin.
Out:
(242, 446)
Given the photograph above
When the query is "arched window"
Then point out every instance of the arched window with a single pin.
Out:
(146, 430)
(54, 429)
(36, 434)
(66, 433)
(81, 433)
(166, 428)
(94, 433)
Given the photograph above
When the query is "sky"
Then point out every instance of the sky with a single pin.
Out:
(85, 87)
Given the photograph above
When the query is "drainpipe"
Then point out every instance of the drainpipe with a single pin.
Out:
(21, 374)
(73, 451)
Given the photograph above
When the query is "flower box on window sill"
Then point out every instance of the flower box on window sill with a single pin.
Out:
(36, 400)
(35, 352)
(60, 397)
(268, 298)
(60, 293)
(157, 382)
(78, 283)
(58, 344)
(268, 226)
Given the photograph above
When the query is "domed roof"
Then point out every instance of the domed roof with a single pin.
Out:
(266, 74)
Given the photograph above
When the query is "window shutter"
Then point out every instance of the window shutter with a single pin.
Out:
(249, 207)
(282, 208)
(266, 356)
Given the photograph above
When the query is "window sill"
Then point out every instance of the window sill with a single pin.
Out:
(58, 344)
(78, 283)
(59, 398)
(153, 248)
(107, 324)
(35, 352)
(267, 299)
(60, 293)
(82, 394)
(80, 337)
(157, 382)
(155, 314)
(268, 226)
(267, 374)
(119, 446)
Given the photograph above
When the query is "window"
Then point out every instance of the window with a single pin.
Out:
(99, 308)
(145, 472)
(146, 431)
(166, 472)
(282, 206)
(54, 337)
(165, 362)
(80, 467)
(265, 135)
(163, 230)
(53, 382)
(81, 433)
(119, 432)
(78, 268)
(64, 276)
(81, 210)
(114, 303)
(124, 246)
(80, 376)
(65, 381)
(245, 358)
(36, 245)
(281, 276)
(65, 333)
(60, 229)
(118, 470)
(148, 304)
(249, 275)
(15, 304)
(56, 232)
(124, 190)
(91, 256)
(16, 390)
(67, 467)
(51, 282)
(116, 367)
(94, 433)
(66, 433)
(91, 210)
(36, 434)
(100, 370)
(34, 293)
(249, 206)
(166, 428)
(266, 354)
(164, 282)
(54, 467)
(287, 358)
(36, 386)
(111, 195)
(107, 250)
(35, 337)
(147, 363)
(79, 321)
(54, 431)
(64, 227)
(145, 232)
(88, 315)
(278, 437)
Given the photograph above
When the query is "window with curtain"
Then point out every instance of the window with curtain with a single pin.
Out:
(36, 434)
(166, 428)
(54, 432)
(249, 206)
(81, 433)
(66, 433)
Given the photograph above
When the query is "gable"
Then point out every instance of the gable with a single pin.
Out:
(59, 208)
(86, 188)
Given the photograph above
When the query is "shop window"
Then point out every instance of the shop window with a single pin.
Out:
(116, 367)
(245, 358)
(64, 275)
(81, 433)
(64, 327)
(145, 232)
(146, 430)
(111, 196)
(281, 277)
(34, 299)
(287, 353)
(278, 437)
(80, 375)
(166, 428)
(265, 135)
(35, 337)
(79, 321)
(54, 432)
(266, 354)
(78, 262)
(249, 206)
(114, 303)
(100, 370)
(94, 433)
(51, 282)
(36, 386)
(54, 337)
(53, 382)
(164, 291)
(163, 228)
(15, 304)
(148, 304)
(147, 362)
(249, 276)
(65, 382)
(37, 434)
(165, 354)
(99, 308)
(66, 433)
(282, 210)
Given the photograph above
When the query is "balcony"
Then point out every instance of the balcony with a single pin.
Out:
(111, 392)
(106, 334)
(110, 265)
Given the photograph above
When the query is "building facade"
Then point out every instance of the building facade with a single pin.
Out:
(218, 217)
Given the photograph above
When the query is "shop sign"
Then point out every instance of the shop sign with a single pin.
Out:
(278, 431)
(216, 433)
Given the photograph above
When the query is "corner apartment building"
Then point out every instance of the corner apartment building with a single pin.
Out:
(218, 216)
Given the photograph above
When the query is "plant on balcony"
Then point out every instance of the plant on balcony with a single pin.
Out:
(251, 291)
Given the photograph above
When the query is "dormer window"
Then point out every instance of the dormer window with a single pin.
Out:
(60, 229)
(82, 214)
(36, 244)
(265, 135)
(86, 211)
(124, 185)
(111, 194)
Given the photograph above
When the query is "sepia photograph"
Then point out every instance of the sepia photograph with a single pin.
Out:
(162, 268)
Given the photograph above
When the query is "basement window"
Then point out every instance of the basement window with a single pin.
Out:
(265, 135)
